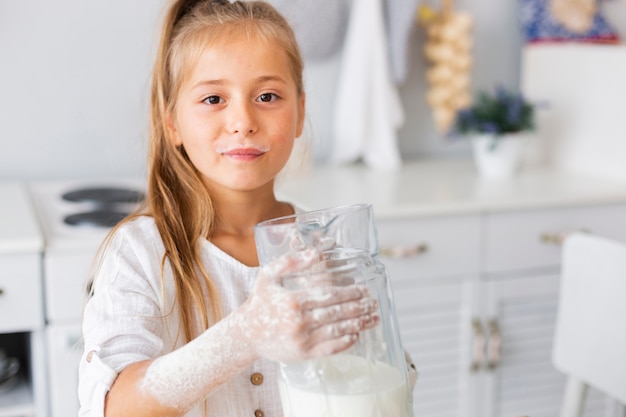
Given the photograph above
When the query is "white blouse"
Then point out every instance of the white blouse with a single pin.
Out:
(131, 318)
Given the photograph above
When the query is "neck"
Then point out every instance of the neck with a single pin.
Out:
(237, 215)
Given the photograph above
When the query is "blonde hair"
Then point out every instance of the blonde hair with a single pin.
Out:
(177, 199)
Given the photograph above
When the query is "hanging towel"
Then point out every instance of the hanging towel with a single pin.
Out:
(400, 15)
(319, 25)
(590, 340)
(368, 110)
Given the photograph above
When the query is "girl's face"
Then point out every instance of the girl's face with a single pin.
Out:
(238, 114)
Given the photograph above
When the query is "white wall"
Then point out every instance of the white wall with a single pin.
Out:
(74, 84)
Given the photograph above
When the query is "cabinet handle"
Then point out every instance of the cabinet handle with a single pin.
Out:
(478, 345)
(494, 342)
(557, 238)
(403, 251)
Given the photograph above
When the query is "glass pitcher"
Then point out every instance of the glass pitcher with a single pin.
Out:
(349, 226)
(370, 379)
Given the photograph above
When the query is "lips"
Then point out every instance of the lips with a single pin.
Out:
(244, 152)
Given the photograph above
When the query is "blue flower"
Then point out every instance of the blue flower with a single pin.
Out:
(497, 113)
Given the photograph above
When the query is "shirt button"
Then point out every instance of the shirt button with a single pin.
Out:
(259, 413)
(256, 378)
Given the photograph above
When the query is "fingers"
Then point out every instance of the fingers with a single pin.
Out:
(342, 311)
(347, 327)
(331, 295)
(335, 328)
(337, 337)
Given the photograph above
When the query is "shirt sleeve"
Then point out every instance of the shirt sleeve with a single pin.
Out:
(122, 322)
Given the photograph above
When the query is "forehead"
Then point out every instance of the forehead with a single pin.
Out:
(238, 55)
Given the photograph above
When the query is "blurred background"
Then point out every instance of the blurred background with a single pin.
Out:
(74, 81)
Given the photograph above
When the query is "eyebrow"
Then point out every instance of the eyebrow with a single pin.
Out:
(261, 79)
(271, 78)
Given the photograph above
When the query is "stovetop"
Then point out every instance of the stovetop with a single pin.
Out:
(77, 215)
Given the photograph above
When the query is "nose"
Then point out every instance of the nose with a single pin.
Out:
(242, 118)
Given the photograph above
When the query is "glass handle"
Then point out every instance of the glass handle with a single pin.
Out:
(494, 343)
(404, 251)
(478, 345)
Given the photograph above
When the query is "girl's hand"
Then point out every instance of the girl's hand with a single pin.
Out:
(285, 325)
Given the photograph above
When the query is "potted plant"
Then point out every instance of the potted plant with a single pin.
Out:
(497, 123)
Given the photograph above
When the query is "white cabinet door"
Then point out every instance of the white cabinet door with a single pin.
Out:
(64, 352)
(434, 328)
(521, 380)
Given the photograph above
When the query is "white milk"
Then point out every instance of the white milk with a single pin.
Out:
(352, 388)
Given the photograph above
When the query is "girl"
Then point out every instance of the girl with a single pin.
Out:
(182, 320)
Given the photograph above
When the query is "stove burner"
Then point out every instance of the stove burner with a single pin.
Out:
(98, 218)
(104, 195)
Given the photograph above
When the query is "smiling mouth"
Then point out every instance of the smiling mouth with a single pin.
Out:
(243, 152)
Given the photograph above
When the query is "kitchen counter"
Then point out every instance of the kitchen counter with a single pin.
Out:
(19, 230)
(445, 187)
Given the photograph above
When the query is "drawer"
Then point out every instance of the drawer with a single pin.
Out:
(21, 297)
(431, 247)
(66, 277)
(530, 239)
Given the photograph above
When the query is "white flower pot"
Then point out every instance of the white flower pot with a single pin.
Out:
(501, 160)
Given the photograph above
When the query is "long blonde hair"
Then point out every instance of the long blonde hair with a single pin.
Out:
(177, 199)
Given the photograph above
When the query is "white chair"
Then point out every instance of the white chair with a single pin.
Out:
(590, 339)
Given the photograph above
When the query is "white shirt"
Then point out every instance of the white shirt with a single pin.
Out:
(131, 318)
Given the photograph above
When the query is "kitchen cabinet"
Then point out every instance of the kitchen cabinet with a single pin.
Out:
(474, 267)
(63, 355)
(21, 305)
(433, 266)
(433, 297)
(519, 303)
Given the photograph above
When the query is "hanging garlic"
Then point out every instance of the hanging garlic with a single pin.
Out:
(448, 51)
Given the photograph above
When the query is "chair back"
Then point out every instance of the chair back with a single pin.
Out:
(590, 338)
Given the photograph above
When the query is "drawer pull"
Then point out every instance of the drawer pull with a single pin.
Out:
(556, 238)
(478, 346)
(494, 342)
(403, 251)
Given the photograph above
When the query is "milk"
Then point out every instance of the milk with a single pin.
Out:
(349, 386)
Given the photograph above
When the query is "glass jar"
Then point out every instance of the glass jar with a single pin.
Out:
(371, 378)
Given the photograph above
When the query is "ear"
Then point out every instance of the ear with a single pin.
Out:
(301, 114)
(170, 125)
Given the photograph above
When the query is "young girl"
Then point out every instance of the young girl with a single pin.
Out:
(182, 320)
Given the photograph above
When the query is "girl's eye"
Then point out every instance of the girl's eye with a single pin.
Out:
(213, 100)
(267, 97)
